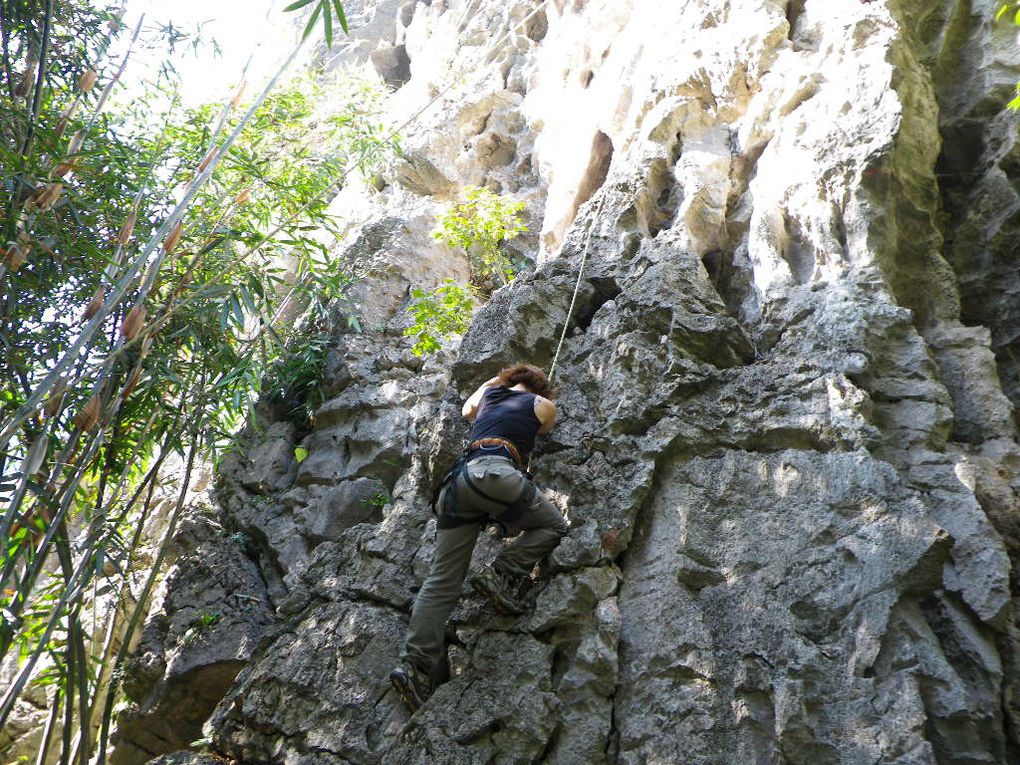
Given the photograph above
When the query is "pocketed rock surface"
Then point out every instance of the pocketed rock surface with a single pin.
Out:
(786, 445)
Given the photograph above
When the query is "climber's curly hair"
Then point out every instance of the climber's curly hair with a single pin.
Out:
(531, 376)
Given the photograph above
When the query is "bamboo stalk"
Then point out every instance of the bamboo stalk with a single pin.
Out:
(65, 496)
(69, 594)
(87, 80)
(105, 668)
(133, 322)
(5, 37)
(113, 80)
(69, 689)
(42, 389)
(32, 573)
(128, 228)
(47, 737)
(143, 599)
(76, 638)
(37, 95)
(95, 304)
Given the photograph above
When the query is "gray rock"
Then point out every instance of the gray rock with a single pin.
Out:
(319, 689)
(392, 64)
(786, 442)
(186, 757)
(216, 611)
(340, 507)
(268, 464)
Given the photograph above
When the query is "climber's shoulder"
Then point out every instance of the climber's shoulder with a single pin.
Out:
(545, 411)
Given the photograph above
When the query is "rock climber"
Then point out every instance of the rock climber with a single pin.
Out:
(488, 484)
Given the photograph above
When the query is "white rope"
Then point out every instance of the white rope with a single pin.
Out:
(577, 287)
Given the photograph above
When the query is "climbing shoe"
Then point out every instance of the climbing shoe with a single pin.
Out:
(412, 684)
(499, 589)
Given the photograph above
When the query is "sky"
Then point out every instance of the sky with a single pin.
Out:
(240, 27)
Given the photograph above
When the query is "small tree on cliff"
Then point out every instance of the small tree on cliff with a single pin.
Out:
(478, 225)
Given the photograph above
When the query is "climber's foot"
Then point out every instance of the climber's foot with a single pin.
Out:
(412, 684)
(499, 589)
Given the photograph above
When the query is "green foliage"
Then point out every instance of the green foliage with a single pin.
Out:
(379, 500)
(205, 620)
(478, 226)
(31, 625)
(366, 142)
(199, 626)
(291, 385)
(324, 9)
(1005, 8)
(438, 315)
(1014, 9)
(164, 333)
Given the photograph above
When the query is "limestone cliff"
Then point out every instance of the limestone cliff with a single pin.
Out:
(787, 445)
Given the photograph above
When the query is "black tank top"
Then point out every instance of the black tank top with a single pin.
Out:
(509, 414)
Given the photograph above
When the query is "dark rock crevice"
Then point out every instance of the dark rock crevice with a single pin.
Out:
(664, 195)
(960, 636)
(794, 10)
(537, 27)
(392, 64)
(597, 171)
(978, 177)
(603, 289)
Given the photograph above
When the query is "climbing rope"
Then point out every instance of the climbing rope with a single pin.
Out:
(577, 286)
(573, 298)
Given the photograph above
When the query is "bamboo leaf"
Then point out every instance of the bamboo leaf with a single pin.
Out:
(213, 244)
(235, 304)
(298, 4)
(43, 495)
(249, 304)
(327, 20)
(341, 16)
(311, 22)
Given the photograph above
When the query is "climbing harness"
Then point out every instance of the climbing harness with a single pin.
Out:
(446, 504)
(504, 443)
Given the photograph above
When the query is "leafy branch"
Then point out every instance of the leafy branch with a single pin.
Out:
(1004, 9)
(438, 315)
(324, 9)
(478, 225)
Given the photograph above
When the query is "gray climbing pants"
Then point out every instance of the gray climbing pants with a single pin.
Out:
(541, 524)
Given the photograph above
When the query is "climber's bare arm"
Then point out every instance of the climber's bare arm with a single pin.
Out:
(545, 411)
(470, 408)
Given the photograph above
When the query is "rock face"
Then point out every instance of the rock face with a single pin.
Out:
(213, 616)
(787, 446)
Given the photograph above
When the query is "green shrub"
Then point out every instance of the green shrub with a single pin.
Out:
(1013, 9)
(438, 315)
(379, 500)
(478, 226)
